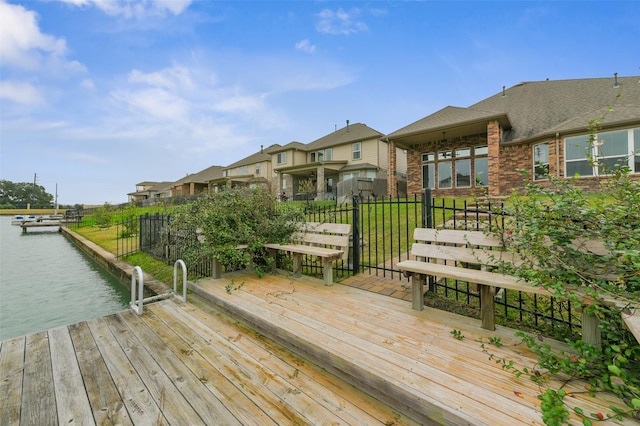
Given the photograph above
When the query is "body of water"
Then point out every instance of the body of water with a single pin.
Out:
(46, 282)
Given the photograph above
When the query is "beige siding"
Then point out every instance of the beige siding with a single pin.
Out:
(299, 157)
(370, 153)
(383, 155)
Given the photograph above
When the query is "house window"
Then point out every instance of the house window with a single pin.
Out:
(281, 158)
(600, 156)
(322, 155)
(428, 170)
(481, 165)
(541, 161)
(463, 167)
(257, 169)
(455, 168)
(356, 151)
(445, 169)
(350, 175)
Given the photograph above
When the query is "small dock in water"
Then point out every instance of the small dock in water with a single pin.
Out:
(40, 224)
(274, 350)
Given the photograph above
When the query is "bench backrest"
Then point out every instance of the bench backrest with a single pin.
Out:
(472, 247)
(330, 235)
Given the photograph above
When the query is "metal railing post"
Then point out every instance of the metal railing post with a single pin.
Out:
(355, 227)
(184, 280)
(136, 305)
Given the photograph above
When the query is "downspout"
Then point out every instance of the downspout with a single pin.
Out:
(557, 154)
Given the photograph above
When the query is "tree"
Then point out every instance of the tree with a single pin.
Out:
(19, 195)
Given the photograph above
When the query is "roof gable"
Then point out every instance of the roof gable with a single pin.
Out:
(348, 134)
(258, 157)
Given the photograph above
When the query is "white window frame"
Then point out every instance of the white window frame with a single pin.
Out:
(536, 153)
(356, 151)
(599, 155)
(281, 158)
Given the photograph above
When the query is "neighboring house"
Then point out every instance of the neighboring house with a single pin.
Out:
(351, 160)
(540, 127)
(148, 191)
(196, 183)
(255, 169)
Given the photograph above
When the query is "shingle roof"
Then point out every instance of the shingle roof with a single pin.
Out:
(348, 134)
(536, 109)
(207, 174)
(291, 145)
(262, 155)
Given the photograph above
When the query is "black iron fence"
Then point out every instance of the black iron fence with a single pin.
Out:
(382, 235)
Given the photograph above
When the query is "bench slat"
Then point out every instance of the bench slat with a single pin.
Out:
(467, 255)
(492, 279)
(442, 236)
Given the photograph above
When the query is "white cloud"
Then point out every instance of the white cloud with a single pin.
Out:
(22, 45)
(305, 46)
(153, 104)
(21, 92)
(87, 84)
(340, 22)
(135, 8)
(178, 77)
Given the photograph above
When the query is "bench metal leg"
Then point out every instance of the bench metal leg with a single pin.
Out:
(487, 309)
(417, 290)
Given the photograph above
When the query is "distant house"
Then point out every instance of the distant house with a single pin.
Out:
(255, 169)
(196, 183)
(540, 127)
(351, 160)
(146, 191)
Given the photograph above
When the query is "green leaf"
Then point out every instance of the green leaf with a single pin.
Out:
(614, 369)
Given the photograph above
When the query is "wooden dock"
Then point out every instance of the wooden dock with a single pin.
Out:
(360, 358)
(34, 224)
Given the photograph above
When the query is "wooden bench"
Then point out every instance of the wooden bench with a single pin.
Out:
(326, 241)
(474, 257)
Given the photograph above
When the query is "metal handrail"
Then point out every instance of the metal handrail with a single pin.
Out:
(183, 298)
(136, 305)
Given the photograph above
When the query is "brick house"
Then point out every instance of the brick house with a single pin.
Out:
(541, 127)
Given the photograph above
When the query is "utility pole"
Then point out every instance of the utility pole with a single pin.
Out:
(33, 192)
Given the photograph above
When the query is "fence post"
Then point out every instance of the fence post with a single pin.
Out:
(355, 227)
(427, 210)
(427, 219)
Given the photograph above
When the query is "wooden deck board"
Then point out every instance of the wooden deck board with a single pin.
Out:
(12, 367)
(293, 351)
(38, 402)
(71, 399)
(103, 395)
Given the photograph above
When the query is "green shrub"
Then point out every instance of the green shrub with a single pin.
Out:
(213, 226)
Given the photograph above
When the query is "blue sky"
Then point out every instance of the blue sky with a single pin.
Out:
(98, 95)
